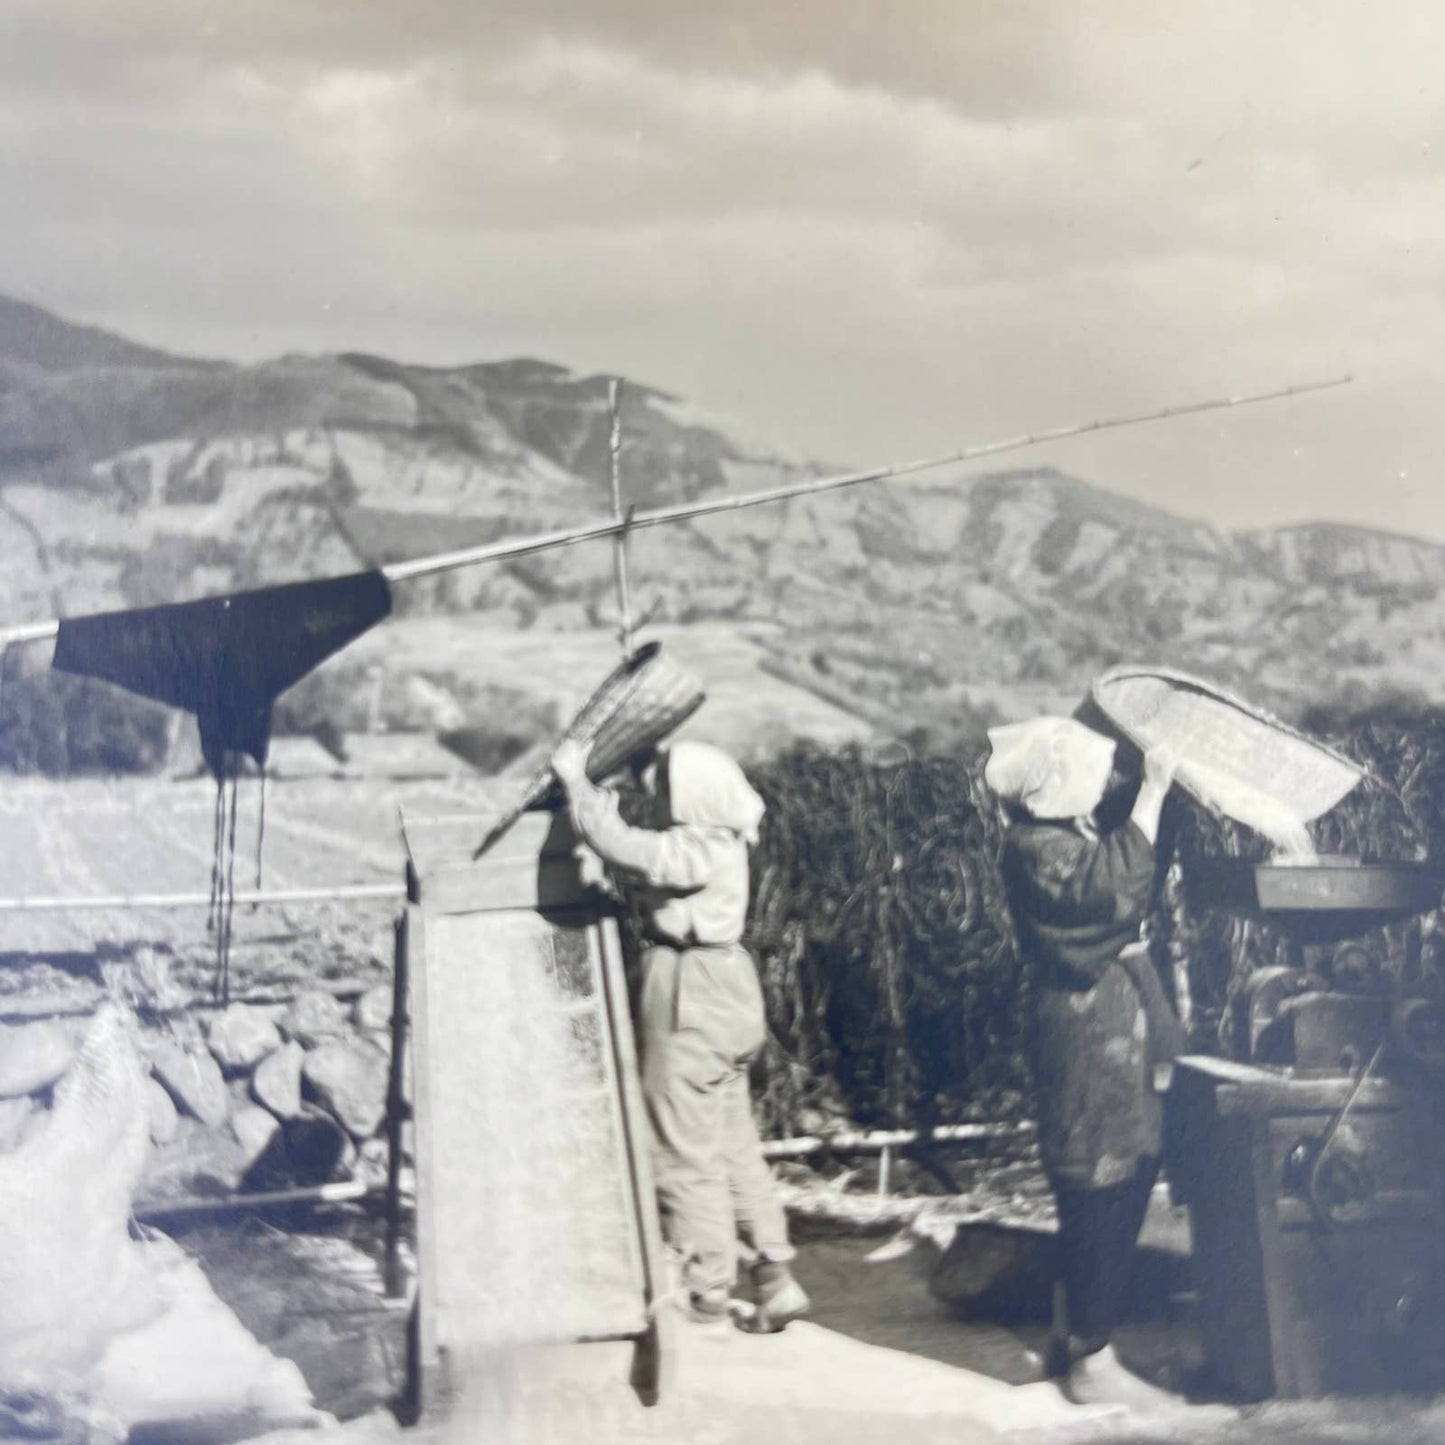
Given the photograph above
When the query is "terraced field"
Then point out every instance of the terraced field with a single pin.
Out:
(89, 839)
(324, 826)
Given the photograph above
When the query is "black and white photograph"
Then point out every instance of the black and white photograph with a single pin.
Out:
(722, 725)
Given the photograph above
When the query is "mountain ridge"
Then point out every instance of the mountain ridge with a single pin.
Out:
(31, 334)
(941, 602)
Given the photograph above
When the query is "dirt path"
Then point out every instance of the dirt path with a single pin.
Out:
(813, 1387)
(805, 1386)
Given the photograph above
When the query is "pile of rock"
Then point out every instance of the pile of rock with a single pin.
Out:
(103, 1336)
(255, 1096)
(32, 1058)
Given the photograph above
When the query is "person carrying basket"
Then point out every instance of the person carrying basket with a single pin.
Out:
(701, 1019)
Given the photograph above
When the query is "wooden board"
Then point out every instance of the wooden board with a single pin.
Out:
(536, 1213)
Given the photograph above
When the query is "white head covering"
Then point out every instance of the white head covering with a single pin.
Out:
(1053, 767)
(708, 789)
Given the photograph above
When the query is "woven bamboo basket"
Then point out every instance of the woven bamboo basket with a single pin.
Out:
(1234, 758)
(637, 705)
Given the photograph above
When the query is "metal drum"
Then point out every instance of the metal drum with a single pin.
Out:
(1319, 1240)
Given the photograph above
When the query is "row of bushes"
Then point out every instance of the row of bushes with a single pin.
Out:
(894, 994)
(59, 725)
(63, 726)
(879, 922)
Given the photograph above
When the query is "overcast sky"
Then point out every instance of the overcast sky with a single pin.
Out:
(871, 231)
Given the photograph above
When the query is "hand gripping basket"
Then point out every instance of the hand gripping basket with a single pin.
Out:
(1234, 758)
(633, 709)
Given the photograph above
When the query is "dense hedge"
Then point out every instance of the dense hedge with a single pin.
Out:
(70, 726)
(894, 995)
(66, 726)
(879, 922)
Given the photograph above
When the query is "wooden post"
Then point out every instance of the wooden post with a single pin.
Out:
(619, 542)
(344, 1191)
(654, 1351)
(396, 1108)
(377, 677)
(427, 1380)
(885, 1160)
(879, 1139)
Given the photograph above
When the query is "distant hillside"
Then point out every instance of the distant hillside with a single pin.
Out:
(34, 337)
(128, 476)
(1328, 553)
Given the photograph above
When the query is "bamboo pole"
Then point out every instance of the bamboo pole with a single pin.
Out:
(880, 1139)
(687, 511)
(396, 1109)
(344, 1192)
(619, 542)
(23, 1008)
(523, 546)
(29, 632)
(351, 893)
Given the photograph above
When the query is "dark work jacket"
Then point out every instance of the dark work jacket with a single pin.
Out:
(1077, 904)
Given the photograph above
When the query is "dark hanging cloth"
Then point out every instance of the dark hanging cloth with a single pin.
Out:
(225, 659)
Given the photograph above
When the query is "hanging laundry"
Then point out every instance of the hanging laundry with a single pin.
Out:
(227, 660)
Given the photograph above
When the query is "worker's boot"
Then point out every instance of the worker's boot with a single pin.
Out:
(780, 1299)
(1101, 1378)
(710, 1309)
(1058, 1352)
(698, 1303)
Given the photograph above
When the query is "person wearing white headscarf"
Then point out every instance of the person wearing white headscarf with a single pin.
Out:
(1078, 898)
(701, 1022)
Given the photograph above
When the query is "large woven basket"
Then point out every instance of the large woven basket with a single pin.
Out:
(633, 709)
(1234, 758)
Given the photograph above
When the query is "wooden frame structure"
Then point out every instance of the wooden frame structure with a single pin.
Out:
(484, 935)
(343, 1191)
(1300, 1299)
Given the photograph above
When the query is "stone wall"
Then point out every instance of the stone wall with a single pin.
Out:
(256, 1096)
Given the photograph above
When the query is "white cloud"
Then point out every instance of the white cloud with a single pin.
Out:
(872, 238)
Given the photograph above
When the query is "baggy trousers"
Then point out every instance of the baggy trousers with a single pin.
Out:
(702, 1022)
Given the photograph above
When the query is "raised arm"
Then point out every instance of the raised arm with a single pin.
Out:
(1088, 875)
(679, 858)
(1072, 895)
(1083, 871)
(1160, 766)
